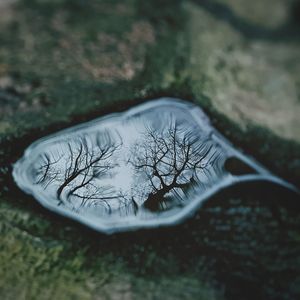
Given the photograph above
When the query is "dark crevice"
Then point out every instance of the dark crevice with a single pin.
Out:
(237, 167)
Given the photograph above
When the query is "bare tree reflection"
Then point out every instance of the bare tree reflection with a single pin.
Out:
(47, 171)
(127, 204)
(169, 160)
(75, 171)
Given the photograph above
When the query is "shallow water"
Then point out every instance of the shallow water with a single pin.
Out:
(152, 165)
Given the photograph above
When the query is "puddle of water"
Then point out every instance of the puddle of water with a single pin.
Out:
(150, 166)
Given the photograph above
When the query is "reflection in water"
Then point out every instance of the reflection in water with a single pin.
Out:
(149, 166)
(171, 160)
(74, 171)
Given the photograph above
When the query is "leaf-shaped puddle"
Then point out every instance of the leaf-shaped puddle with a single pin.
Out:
(150, 166)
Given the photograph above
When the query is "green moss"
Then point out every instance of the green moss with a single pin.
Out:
(217, 252)
(59, 75)
(47, 254)
(41, 260)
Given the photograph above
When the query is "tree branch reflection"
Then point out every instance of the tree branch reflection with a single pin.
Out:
(169, 160)
(76, 171)
(166, 164)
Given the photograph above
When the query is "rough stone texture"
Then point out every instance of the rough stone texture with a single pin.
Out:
(247, 79)
(71, 47)
(267, 13)
(63, 62)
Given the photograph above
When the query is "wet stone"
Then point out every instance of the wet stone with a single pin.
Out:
(152, 165)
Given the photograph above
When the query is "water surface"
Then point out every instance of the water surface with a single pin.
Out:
(152, 165)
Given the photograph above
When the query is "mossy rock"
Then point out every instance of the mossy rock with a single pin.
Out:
(245, 73)
(65, 62)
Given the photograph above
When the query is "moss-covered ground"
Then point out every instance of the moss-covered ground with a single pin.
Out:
(63, 62)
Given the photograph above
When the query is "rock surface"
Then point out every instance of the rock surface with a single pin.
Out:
(64, 61)
(248, 79)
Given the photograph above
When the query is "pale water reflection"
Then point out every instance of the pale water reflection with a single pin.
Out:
(152, 165)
